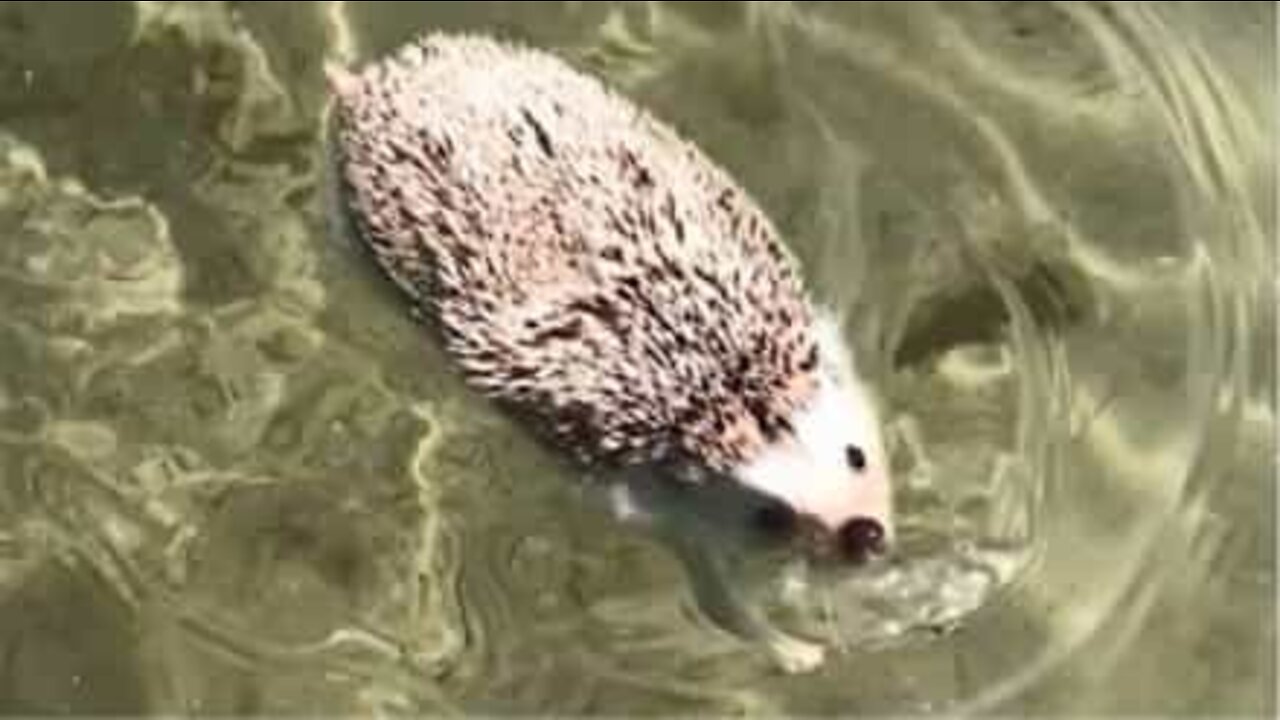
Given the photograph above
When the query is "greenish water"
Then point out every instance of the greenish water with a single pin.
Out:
(235, 478)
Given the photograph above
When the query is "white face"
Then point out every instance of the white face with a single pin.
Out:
(834, 470)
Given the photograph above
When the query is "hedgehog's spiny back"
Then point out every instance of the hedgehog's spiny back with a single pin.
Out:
(585, 265)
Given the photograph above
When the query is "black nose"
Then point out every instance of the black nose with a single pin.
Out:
(775, 519)
(860, 538)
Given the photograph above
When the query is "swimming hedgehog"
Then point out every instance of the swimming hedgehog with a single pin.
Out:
(594, 273)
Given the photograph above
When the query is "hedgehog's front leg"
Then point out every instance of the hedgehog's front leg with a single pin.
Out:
(715, 596)
(680, 514)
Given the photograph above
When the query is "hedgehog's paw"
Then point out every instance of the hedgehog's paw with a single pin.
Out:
(626, 507)
(795, 656)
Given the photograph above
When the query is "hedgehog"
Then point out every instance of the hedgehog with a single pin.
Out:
(595, 274)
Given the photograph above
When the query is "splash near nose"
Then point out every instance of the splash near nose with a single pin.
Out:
(860, 538)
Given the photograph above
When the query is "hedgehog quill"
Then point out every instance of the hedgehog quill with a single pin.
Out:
(596, 275)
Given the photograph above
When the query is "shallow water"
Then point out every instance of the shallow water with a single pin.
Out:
(236, 478)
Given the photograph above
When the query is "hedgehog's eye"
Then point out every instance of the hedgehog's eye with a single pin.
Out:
(855, 457)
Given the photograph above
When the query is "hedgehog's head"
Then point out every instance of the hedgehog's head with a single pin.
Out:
(829, 478)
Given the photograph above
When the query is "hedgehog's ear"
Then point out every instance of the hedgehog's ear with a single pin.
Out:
(339, 80)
